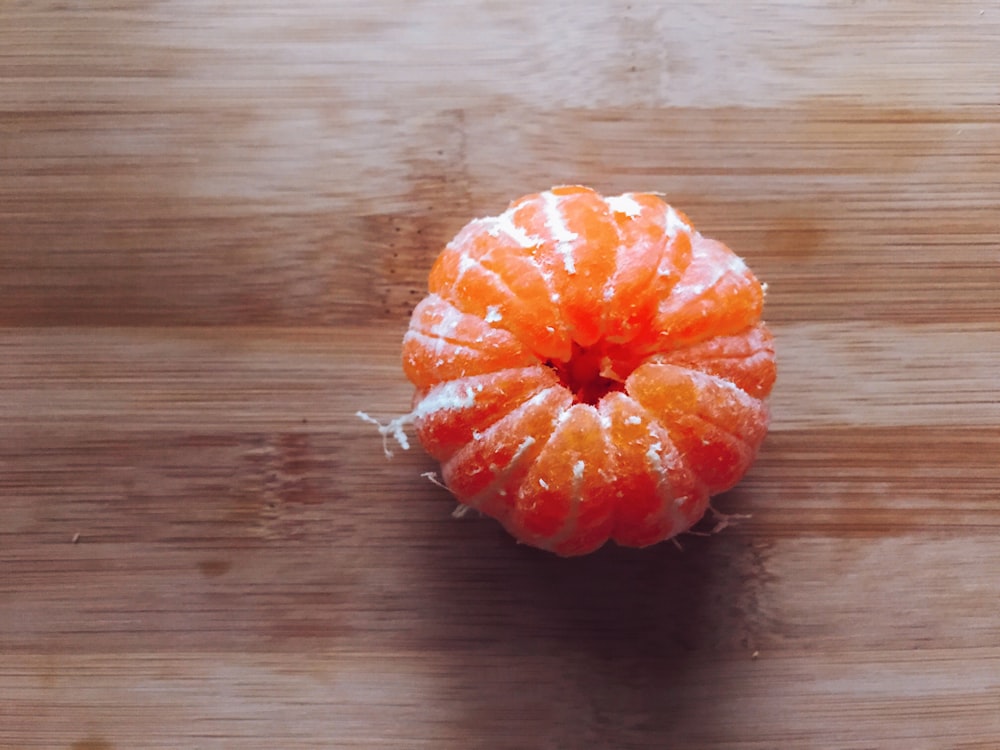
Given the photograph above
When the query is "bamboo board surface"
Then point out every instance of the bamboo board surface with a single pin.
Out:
(214, 221)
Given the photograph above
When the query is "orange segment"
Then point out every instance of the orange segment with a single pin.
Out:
(487, 472)
(491, 277)
(454, 413)
(443, 343)
(746, 359)
(657, 495)
(717, 295)
(577, 255)
(715, 425)
(649, 259)
(565, 503)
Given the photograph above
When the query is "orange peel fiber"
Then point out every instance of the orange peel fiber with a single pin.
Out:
(589, 368)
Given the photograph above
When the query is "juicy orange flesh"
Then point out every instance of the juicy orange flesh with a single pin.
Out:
(590, 369)
(550, 512)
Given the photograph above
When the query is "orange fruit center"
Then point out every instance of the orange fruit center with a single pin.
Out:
(586, 375)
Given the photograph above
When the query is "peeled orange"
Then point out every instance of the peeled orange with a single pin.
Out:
(589, 368)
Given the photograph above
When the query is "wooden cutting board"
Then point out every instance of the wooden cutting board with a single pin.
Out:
(215, 219)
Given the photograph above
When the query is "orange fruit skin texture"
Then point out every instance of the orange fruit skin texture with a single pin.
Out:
(590, 369)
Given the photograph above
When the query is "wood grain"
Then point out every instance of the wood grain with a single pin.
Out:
(214, 221)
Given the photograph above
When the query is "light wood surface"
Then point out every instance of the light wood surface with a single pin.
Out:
(215, 218)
